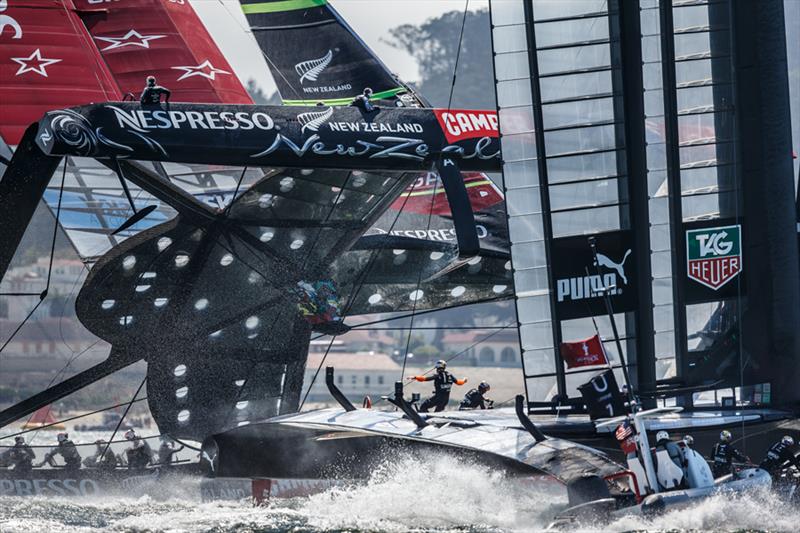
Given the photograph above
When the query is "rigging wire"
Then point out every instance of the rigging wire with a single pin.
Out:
(420, 313)
(43, 294)
(419, 282)
(458, 55)
(122, 418)
(359, 286)
(70, 419)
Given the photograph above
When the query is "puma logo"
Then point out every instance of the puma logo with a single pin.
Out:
(605, 261)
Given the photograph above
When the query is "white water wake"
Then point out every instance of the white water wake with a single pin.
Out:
(438, 493)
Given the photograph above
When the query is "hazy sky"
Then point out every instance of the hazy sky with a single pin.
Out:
(371, 19)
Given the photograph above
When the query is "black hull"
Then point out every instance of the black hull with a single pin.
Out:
(91, 482)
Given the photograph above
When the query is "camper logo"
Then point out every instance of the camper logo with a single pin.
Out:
(714, 255)
(311, 69)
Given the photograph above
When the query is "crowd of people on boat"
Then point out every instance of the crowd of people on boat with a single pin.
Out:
(137, 455)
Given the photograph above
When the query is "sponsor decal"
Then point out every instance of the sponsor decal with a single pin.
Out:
(460, 124)
(448, 234)
(602, 396)
(8, 20)
(382, 147)
(588, 352)
(34, 63)
(314, 119)
(134, 482)
(312, 68)
(214, 489)
(132, 38)
(376, 127)
(48, 487)
(142, 120)
(204, 70)
(592, 285)
(714, 255)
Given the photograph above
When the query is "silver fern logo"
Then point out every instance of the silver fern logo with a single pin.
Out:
(311, 69)
(314, 119)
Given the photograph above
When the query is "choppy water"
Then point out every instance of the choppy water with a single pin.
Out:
(439, 494)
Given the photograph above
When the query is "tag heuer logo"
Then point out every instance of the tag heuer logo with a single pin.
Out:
(714, 255)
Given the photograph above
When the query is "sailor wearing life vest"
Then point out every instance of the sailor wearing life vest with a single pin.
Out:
(67, 450)
(140, 454)
(20, 456)
(475, 398)
(723, 453)
(151, 95)
(442, 383)
(781, 455)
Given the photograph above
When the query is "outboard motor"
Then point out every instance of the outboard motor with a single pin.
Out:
(698, 473)
(669, 474)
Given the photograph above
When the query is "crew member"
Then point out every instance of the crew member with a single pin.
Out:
(103, 457)
(442, 383)
(152, 92)
(723, 454)
(475, 398)
(663, 442)
(362, 101)
(689, 441)
(21, 456)
(167, 450)
(139, 454)
(781, 455)
(67, 450)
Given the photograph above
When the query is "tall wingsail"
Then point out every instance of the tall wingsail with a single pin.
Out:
(314, 56)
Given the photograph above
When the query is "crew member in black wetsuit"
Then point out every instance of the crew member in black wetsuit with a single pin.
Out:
(362, 101)
(152, 92)
(723, 453)
(475, 398)
(442, 383)
(67, 450)
(780, 455)
(167, 450)
(140, 454)
(103, 458)
(21, 456)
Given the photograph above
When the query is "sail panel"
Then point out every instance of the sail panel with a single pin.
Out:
(47, 62)
(167, 40)
(333, 66)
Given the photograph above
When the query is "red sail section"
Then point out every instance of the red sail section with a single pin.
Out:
(47, 61)
(166, 39)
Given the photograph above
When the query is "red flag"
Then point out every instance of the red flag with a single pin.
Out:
(588, 352)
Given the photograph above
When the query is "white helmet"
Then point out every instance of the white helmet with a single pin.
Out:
(689, 440)
(62, 437)
(725, 436)
(441, 364)
(787, 440)
(662, 435)
(130, 434)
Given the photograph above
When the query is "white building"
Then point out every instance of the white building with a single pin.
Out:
(357, 375)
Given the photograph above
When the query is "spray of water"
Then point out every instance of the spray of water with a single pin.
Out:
(437, 493)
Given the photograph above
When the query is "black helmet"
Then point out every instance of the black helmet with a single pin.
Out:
(19, 440)
(441, 364)
(151, 80)
(484, 386)
(367, 92)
